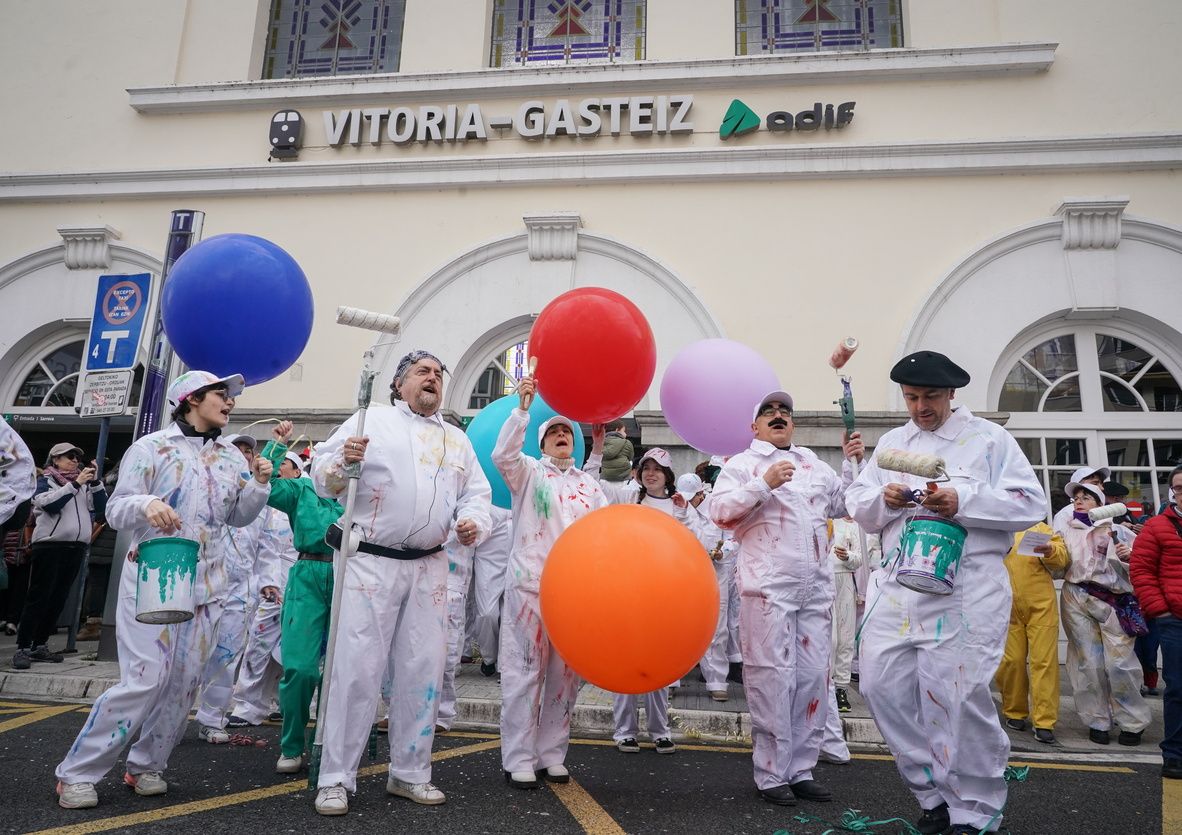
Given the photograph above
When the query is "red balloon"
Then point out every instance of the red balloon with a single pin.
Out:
(596, 354)
(599, 590)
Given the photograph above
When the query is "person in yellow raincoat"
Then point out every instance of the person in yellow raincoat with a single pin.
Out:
(1033, 637)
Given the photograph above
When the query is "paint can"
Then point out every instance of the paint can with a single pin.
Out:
(167, 574)
(929, 554)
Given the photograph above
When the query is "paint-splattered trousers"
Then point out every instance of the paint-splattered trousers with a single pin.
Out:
(656, 714)
(833, 744)
(734, 652)
(1033, 639)
(489, 564)
(159, 672)
(262, 664)
(714, 663)
(217, 680)
(786, 676)
(1104, 672)
(457, 603)
(538, 689)
(926, 666)
(393, 612)
(845, 626)
(307, 601)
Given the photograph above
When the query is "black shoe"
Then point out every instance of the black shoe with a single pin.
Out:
(855, 678)
(237, 722)
(42, 653)
(1171, 769)
(21, 660)
(843, 701)
(780, 795)
(665, 746)
(1045, 735)
(933, 821)
(1099, 737)
(1017, 724)
(628, 746)
(488, 670)
(735, 673)
(1129, 738)
(811, 790)
(275, 716)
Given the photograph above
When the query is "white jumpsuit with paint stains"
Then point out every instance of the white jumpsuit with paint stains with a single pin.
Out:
(655, 702)
(459, 578)
(489, 561)
(420, 476)
(1102, 667)
(18, 478)
(257, 687)
(927, 660)
(785, 600)
(242, 598)
(208, 485)
(538, 689)
(722, 548)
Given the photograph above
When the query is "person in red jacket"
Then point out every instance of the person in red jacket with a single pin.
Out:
(1156, 571)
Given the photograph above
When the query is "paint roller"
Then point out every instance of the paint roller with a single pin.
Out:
(837, 360)
(1108, 511)
(922, 464)
(369, 320)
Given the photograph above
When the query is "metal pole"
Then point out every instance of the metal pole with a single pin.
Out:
(184, 230)
(80, 581)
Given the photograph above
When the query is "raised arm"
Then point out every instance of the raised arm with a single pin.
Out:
(513, 464)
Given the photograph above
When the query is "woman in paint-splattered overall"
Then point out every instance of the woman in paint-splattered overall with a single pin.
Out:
(538, 689)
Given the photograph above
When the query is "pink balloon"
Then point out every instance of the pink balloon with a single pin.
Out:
(710, 390)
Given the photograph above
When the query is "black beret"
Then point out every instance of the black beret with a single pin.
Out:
(1115, 490)
(930, 370)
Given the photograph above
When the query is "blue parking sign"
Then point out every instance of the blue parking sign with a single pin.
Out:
(120, 307)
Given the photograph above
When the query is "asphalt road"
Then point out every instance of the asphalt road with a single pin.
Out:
(700, 789)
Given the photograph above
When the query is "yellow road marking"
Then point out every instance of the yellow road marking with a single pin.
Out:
(590, 815)
(27, 705)
(35, 716)
(1171, 806)
(209, 804)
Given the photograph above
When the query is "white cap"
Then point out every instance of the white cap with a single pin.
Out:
(249, 440)
(689, 485)
(191, 381)
(295, 460)
(1084, 472)
(783, 396)
(557, 420)
(656, 454)
(1072, 486)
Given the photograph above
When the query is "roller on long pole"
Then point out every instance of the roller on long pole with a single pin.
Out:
(837, 360)
(382, 323)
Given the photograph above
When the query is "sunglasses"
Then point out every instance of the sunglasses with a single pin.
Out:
(73, 456)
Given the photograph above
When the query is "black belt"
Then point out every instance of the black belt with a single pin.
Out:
(316, 557)
(332, 538)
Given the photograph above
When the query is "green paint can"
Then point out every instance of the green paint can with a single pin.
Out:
(167, 573)
(929, 554)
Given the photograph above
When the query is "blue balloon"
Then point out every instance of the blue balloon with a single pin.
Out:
(237, 304)
(486, 426)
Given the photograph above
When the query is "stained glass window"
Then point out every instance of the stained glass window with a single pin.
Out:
(528, 32)
(765, 26)
(500, 377)
(333, 37)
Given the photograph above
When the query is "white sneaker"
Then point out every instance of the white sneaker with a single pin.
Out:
(212, 735)
(557, 774)
(148, 784)
(289, 765)
(76, 795)
(424, 793)
(332, 800)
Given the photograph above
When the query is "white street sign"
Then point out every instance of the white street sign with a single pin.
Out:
(104, 393)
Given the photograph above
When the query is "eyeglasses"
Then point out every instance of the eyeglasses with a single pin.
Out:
(769, 411)
(1177, 490)
(222, 393)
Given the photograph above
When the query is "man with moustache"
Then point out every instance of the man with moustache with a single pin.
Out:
(927, 660)
(777, 498)
(420, 479)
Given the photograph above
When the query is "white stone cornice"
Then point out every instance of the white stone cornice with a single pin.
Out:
(587, 79)
(554, 236)
(87, 247)
(1091, 223)
(1131, 152)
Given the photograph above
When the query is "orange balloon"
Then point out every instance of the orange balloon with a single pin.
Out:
(629, 598)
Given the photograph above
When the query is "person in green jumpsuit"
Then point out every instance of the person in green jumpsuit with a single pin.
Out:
(306, 601)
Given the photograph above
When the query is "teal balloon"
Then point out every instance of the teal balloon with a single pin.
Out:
(486, 426)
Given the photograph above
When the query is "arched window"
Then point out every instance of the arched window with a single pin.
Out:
(333, 37)
(1096, 396)
(499, 378)
(567, 32)
(53, 379)
(767, 26)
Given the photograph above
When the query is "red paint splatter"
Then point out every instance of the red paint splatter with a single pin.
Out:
(812, 710)
(804, 642)
(936, 702)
